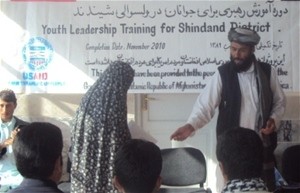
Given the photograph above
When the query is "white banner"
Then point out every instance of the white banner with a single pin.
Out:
(174, 46)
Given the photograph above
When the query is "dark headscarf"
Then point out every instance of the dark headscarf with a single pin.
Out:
(100, 129)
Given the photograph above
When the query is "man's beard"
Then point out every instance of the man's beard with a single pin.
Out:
(242, 65)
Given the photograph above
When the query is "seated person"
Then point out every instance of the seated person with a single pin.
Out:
(240, 156)
(38, 153)
(9, 175)
(137, 167)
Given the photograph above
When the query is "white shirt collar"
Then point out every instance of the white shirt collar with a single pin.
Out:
(10, 123)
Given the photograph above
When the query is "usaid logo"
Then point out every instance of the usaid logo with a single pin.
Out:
(37, 53)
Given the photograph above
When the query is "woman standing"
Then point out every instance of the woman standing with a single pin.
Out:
(100, 128)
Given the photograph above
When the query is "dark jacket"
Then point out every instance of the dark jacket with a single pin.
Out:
(36, 186)
(20, 123)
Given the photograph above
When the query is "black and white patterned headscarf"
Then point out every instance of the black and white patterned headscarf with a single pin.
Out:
(246, 185)
(99, 129)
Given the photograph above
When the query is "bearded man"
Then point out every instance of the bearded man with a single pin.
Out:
(247, 93)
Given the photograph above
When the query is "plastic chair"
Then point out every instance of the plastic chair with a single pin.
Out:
(183, 167)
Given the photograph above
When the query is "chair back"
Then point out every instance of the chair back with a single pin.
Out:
(183, 167)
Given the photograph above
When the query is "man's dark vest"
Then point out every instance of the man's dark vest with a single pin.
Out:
(230, 105)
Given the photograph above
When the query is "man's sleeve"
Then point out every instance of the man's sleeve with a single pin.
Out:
(206, 103)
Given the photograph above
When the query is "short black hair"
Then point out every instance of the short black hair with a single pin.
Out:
(138, 165)
(240, 150)
(36, 148)
(8, 95)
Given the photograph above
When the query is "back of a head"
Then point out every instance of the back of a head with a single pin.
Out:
(138, 165)
(36, 149)
(240, 151)
(8, 95)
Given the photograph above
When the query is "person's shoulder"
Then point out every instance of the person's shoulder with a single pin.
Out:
(226, 69)
(225, 65)
(266, 67)
(20, 123)
(255, 191)
(33, 190)
(265, 64)
(17, 190)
